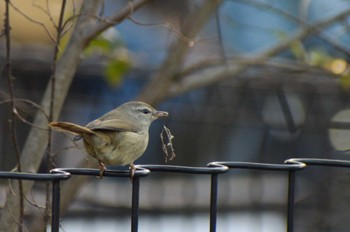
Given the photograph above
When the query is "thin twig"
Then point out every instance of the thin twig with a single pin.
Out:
(116, 18)
(27, 122)
(45, 11)
(299, 20)
(220, 34)
(19, 222)
(12, 121)
(33, 202)
(52, 37)
(169, 26)
(15, 100)
(50, 162)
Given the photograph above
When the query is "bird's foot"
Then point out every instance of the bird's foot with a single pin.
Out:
(102, 169)
(132, 171)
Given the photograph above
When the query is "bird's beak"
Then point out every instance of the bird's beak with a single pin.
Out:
(159, 114)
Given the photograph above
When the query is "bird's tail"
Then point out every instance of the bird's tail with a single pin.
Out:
(70, 128)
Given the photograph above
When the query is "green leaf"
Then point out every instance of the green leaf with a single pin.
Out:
(99, 45)
(345, 82)
(319, 58)
(115, 70)
(298, 50)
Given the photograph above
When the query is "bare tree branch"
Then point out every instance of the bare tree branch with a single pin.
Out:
(13, 118)
(156, 90)
(50, 162)
(34, 148)
(299, 20)
(104, 23)
(206, 77)
(35, 145)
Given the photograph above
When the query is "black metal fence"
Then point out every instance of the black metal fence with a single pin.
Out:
(214, 169)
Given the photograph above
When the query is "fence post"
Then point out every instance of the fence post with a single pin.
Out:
(135, 203)
(291, 195)
(55, 217)
(213, 202)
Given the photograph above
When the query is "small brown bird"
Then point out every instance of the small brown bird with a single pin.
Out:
(117, 138)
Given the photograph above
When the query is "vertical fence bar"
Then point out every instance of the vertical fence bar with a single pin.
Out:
(55, 217)
(291, 195)
(135, 203)
(213, 202)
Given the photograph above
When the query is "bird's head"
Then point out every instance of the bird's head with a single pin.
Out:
(141, 113)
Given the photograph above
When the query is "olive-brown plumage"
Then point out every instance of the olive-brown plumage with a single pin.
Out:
(117, 138)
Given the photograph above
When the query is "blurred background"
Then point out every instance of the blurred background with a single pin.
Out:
(282, 91)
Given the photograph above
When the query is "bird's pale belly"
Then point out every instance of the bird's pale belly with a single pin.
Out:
(121, 148)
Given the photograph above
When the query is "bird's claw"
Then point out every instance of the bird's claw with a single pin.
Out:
(132, 171)
(102, 169)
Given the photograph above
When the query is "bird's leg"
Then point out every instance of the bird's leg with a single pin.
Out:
(102, 168)
(132, 170)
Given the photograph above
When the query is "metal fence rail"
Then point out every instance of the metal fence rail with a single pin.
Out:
(55, 179)
(214, 169)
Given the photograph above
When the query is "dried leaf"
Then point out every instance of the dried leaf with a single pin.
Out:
(167, 144)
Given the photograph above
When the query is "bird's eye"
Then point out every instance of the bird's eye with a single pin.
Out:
(145, 111)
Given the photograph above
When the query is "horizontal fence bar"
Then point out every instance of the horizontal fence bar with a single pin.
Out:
(61, 175)
(259, 166)
(220, 169)
(320, 162)
(140, 172)
(214, 169)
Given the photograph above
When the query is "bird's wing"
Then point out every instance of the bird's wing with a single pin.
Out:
(112, 125)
